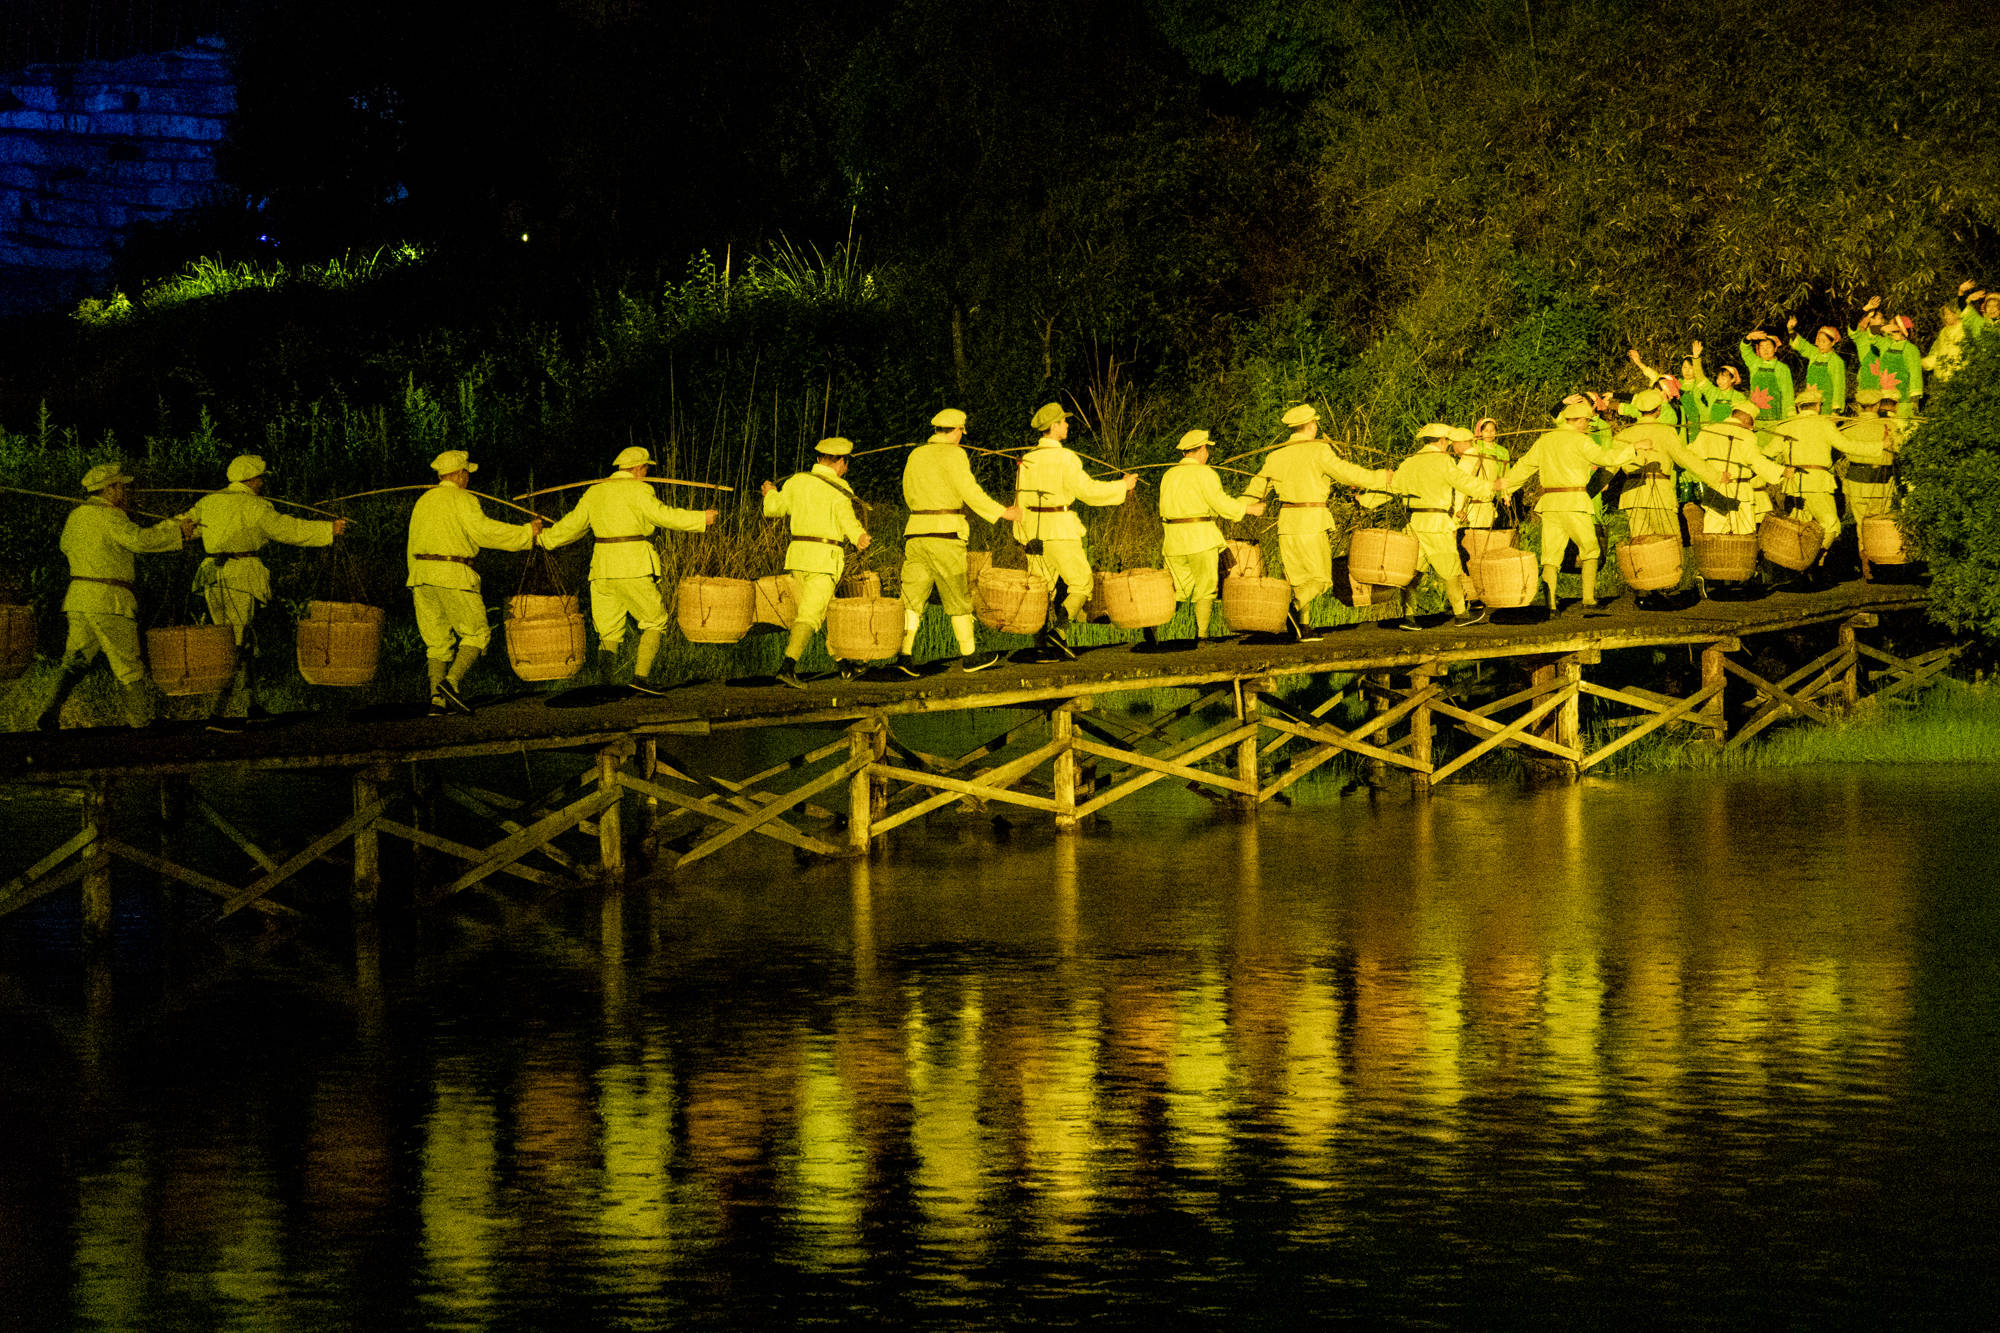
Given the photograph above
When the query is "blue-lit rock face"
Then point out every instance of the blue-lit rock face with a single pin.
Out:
(88, 150)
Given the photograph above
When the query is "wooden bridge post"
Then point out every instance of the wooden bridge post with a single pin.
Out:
(863, 748)
(610, 823)
(1246, 749)
(97, 858)
(1062, 731)
(1569, 713)
(367, 892)
(1422, 732)
(649, 804)
(1712, 714)
(1850, 679)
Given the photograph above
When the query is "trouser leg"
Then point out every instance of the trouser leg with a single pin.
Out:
(138, 702)
(649, 652)
(1549, 573)
(461, 666)
(1589, 568)
(912, 620)
(75, 666)
(1204, 608)
(961, 630)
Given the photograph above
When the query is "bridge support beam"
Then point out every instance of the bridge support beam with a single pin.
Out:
(96, 885)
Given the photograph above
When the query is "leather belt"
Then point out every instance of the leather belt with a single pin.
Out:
(602, 540)
(823, 541)
(1048, 509)
(1561, 490)
(1426, 509)
(1201, 519)
(960, 510)
(454, 559)
(224, 557)
(1813, 467)
(1301, 504)
(933, 537)
(126, 584)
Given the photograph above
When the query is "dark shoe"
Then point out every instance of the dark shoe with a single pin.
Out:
(1408, 623)
(1469, 617)
(1301, 633)
(906, 666)
(647, 687)
(1052, 642)
(452, 699)
(789, 675)
(849, 670)
(978, 662)
(440, 706)
(49, 721)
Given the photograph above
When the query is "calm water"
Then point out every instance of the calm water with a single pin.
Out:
(1659, 1050)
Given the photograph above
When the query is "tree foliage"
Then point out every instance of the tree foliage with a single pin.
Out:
(1952, 466)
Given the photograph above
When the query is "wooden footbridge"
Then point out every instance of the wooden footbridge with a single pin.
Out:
(648, 757)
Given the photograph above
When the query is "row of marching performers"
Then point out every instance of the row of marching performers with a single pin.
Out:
(1451, 482)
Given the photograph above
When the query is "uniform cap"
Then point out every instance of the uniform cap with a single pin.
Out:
(1457, 434)
(834, 446)
(1437, 430)
(1301, 415)
(1648, 400)
(1867, 397)
(631, 458)
(1807, 395)
(105, 474)
(949, 419)
(1891, 395)
(1193, 440)
(1575, 411)
(1735, 431)
(453, 460)
(245, 466)
(1047, 415)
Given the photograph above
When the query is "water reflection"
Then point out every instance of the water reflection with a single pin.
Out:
(1438, 1047)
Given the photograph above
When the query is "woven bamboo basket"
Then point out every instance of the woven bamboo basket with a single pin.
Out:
(715, 610)
(1726, 557)
(1242, 559)
(1789, 542)
(1382, 557)
(1010, 600)
(1094, 611)
(340, 643)
(777, 600)
(191, 659)
(1506, 577)
(1648, 564)
(1139, 598)
(1256, 606)
(864, 629)
(544, 637)
(1485, 541)
(865, 584)
(17, 640)
(1358, 593)
(1882, 541)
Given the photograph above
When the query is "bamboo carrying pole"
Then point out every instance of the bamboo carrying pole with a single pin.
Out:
(202, 490)
(656, 481)
(431, 486)
(76, 500)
